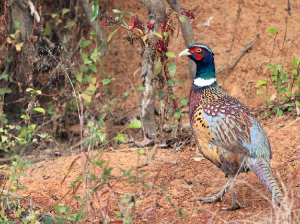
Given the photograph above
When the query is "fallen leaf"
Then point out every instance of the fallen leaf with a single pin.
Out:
(196, 159)
(8, 40)
(19, 46)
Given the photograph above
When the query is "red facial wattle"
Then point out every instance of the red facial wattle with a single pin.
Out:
(198, 55)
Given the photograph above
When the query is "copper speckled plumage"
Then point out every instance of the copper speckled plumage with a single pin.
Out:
(225, 130)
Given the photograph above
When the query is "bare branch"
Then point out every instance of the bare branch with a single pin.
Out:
(241, 55)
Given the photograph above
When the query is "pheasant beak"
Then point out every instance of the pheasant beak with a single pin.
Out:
(185, 53)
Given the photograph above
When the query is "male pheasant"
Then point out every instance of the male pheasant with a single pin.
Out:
(225, 130)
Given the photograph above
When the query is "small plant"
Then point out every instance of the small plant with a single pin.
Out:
(285, 84)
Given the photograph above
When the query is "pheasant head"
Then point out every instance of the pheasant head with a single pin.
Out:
(203, 56)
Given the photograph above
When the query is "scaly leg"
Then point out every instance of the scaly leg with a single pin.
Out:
(235, 204)
(219, 196)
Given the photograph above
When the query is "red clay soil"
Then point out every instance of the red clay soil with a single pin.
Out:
(185, 180)
(122, 62)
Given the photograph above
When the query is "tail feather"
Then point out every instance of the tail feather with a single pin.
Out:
(264, 172)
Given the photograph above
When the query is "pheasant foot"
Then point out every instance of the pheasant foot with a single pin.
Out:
(219, 196)
(235, 204)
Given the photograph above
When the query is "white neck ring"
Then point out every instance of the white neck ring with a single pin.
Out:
(204, 82)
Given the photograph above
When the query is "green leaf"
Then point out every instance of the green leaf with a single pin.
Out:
(8, 90)
(157, 67)
(93, 68)
(294, 72)
(79, 77)
(17, 24)
(111, 35)
(297, 103)
(95, 12)
(95, 56)
(140, 88)
(172, 68)
(106, 81)
(9, 59)
(272, 65)
(99, 162)
(87, 62)
(170, 82)
(91, 89)
(284, 97)
(70, 24)
(181, 18)
(157, 34)
(64, 11)
(283, 90)
(120, 137)
(117, 11)
(260, 91)
(4, 76)
(182, 83)
(176, 80)
(86, 97)
(47, 30)
(279, 112)
(183, 102)
(170, 55)
(261, 82)
(272, 30)
(284, 79)
(83, 56)
(176, 115)
(296, 93)
(290, 93)
(174, 96)
(290, 108)
(39, 109)
(144, 38)
(161, 94)
(85, 43)
(294, 63)
(135, 124)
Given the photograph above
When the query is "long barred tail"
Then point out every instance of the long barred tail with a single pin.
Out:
(264, 172)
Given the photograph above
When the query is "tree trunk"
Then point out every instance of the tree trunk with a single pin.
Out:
(187, 33)
(156, 14)
(20, 67)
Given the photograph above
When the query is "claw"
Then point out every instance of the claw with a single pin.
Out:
(235, 205)
(219, 197)
(210, 199)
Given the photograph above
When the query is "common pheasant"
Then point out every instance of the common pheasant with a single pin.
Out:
(225, 130)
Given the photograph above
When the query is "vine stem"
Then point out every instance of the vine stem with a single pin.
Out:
(267, 87)
(286, 22)
(233, 38)
(175, 104)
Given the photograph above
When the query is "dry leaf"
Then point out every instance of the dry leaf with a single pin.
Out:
(19, 46)
(197, 159)
(8, 40)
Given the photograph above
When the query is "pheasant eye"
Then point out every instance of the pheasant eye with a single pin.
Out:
(199, 50)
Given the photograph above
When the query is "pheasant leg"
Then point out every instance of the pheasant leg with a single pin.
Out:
(219, 196)
(235, 204)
